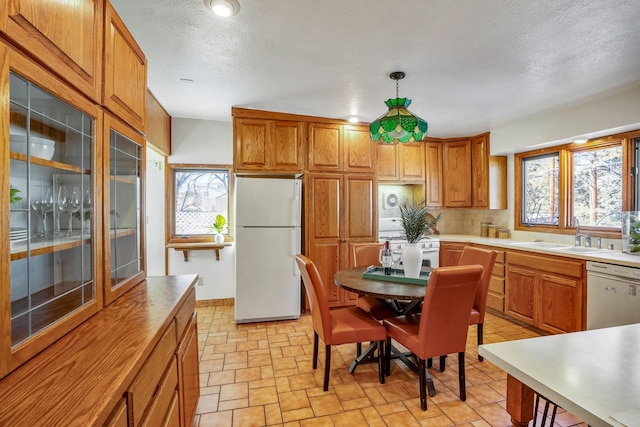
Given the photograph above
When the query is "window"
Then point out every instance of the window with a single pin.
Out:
(597, 187)
(587, 181)
(540, 181)
(200, 193)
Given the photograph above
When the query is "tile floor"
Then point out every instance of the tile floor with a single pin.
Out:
(260, 374)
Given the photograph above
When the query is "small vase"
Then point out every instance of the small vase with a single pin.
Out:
(412, 260)
(219, 239)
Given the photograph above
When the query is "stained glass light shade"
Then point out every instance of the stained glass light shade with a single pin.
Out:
(398, 124)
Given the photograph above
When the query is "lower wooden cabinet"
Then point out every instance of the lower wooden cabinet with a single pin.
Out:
(188, 373)
(546, 291)
(450, 253)
(134, 363)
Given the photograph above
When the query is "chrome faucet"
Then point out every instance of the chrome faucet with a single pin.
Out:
(576, 223)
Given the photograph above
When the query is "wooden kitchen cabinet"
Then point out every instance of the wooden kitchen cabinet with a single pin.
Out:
(545, 291)
(480, 170)
(50, 283)
(341, 210)
(456, 160)
(401, 163)
(66, 37)
(433, 174)
(125, 72)
(268, 145)
(450, 253)
(360, 153)
(123, 208)
(188, 372)
(325, 147)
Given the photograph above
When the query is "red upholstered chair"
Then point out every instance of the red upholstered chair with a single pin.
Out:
(364, 255)
(442, 326)
(485, 258)
(338, 326)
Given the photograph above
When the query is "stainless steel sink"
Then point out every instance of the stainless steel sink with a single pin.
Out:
(543, 245)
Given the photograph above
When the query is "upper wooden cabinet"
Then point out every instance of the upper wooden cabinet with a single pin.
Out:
(158, 125)
(433, 174)
(66, 37)
(456, 160)
(480, 170)
(473, 178)
(401, 163)
(325, 147)
(360, 154)
(125, 73)
(268, 145)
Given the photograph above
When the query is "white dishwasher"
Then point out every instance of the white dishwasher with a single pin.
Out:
(613, 295)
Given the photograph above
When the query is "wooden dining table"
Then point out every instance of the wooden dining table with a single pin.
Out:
(388, 292)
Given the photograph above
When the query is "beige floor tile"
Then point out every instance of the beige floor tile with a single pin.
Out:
(249, 417)
(294, 400)
(326, 405)
(216, 419)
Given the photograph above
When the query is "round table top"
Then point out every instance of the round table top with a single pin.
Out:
(352, 280)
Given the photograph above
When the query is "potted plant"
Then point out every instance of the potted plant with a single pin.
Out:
(416, 222)
(218, 226)
(13, 195)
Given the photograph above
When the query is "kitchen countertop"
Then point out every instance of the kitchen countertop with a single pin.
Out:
(601, 255)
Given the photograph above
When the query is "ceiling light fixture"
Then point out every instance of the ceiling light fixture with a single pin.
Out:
(223, 7)
(580, 140)
(398, 124)
(353, 119)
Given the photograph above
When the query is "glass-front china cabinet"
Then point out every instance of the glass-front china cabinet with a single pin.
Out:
(50, 227)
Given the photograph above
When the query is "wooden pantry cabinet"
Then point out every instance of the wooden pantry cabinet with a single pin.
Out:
(340, 210)
(546, 291)
(263, 145)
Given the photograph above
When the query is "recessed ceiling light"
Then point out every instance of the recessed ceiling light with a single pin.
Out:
(353, 119)
(580, 140)
(223, 7)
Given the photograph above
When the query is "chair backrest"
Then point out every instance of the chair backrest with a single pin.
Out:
(366, 254)
(485, 258)
(317, 296)
(445, 312)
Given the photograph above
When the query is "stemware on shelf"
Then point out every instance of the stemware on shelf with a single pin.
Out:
(86, 210)
(42, 203)
(69, 202)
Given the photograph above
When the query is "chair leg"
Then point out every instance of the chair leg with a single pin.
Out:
(463, 387)
(387, 362)
(480, 339)
(327, 366)
(358, 349)
(442, 362)
(422, 376)
(381, 361)
(314, 363)
(429, 362)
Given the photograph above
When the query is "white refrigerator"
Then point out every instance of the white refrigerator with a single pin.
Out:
(268, 235)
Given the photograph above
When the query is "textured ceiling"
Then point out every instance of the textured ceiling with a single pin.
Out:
(470, 65)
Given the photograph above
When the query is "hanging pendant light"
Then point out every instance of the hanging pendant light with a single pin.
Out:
(398, 124)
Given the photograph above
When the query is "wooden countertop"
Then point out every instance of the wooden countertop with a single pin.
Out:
(78, 380)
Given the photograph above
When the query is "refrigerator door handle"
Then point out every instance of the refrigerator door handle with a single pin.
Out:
(295, 238)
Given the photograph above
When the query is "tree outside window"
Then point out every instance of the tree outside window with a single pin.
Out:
(540, 183)
(597, 186)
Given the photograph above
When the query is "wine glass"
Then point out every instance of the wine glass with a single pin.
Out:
(86, 210)
(69, 202)
(396, 260)
(43, 204)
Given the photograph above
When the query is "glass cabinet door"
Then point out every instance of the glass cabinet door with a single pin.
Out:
(124, 208)
(51, 146)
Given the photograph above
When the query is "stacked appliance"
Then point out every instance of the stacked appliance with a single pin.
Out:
(391, 229)
(268, 235)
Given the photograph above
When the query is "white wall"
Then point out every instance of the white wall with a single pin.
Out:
(155, 213)
(204, 142)
(607, 115)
